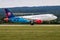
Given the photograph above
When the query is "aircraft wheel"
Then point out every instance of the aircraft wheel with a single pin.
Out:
(32, 22)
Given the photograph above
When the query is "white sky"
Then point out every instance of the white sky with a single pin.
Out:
(20, 3)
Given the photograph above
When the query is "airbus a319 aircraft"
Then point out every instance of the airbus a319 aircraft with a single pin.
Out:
(28, 19)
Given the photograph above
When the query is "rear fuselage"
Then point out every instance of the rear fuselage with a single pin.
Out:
(19, 20)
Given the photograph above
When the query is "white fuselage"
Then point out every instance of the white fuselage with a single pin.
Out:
(43, 17)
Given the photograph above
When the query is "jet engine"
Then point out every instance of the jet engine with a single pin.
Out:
(38, 21)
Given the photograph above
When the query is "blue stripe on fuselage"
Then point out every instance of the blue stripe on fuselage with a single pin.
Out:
(18, 19)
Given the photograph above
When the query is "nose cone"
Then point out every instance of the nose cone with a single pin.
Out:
(55, 17)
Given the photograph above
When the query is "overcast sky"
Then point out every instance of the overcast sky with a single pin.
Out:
(20, 3)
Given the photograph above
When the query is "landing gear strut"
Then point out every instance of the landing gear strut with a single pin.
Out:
(32, 22)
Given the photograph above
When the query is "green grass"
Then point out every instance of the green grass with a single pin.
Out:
(30, 33)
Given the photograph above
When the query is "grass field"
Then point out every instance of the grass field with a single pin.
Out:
(29, 33)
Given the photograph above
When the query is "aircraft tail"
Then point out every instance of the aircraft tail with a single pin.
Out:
(8, 13)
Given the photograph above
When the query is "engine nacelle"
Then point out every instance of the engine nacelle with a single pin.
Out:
(38, 21)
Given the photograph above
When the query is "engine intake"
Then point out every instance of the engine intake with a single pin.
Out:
(38, 21)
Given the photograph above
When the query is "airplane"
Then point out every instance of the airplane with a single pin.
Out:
(28, 19)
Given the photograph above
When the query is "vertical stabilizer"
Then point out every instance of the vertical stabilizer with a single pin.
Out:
(8, 13)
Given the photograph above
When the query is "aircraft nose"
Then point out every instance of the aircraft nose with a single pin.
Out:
(55, 17)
